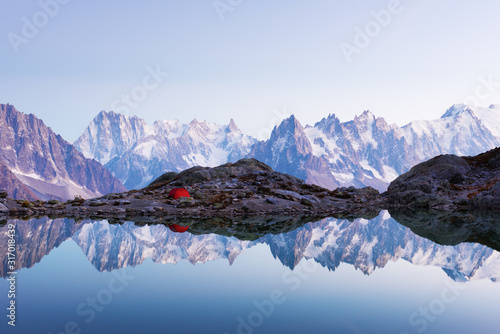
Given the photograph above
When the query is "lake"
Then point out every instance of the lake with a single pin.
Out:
(328, 276)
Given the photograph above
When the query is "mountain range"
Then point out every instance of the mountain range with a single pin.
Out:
(36, 163)
(137, 153)
(366, 151)
(369, 152)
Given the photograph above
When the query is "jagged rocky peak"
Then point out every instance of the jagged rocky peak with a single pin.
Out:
(456, 109)
(290, 135)
(45, 163)
(110, 119)
(368, 119)
(328, 125)
(232, 126)
(290, 125)
(286, 149)
(109, 135)
(359, 125)
(366, 115)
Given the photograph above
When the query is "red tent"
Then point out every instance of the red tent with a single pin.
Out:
(178, 192)
(177, 228)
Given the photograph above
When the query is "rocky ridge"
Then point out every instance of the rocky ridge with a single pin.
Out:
(245, 188)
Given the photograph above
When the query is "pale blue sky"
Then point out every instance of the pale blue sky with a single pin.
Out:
(264, 56)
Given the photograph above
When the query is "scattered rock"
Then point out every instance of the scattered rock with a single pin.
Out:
(218, 206)
(271, 200)
(3, 208)
(26, 204)
(186, 202)
(306, 202)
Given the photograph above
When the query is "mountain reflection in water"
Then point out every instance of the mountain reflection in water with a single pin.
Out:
(365, 244)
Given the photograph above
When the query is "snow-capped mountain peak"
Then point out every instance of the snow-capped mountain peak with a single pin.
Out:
(490, 117)
(455, 110)
(232, 126)
(137, 153)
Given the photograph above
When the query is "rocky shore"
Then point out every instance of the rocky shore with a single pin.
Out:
(243, 189)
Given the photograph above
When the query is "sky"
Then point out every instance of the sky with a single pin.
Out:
(254, 61)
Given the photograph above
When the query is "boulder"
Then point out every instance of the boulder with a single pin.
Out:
(450, 182)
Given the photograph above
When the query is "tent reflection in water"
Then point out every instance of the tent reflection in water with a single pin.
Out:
(177, 228)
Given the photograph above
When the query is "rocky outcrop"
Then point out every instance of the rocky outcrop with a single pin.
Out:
(450, 182)
(47, 165)
(245, 188)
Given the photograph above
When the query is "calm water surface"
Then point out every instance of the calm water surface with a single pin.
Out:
(330, 276)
